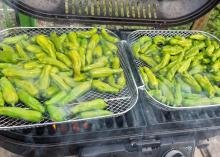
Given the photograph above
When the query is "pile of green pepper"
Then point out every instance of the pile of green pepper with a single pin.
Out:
(180, 72)
(46, 73)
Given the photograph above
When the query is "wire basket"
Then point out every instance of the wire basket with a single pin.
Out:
(134, 36)
(117, 103)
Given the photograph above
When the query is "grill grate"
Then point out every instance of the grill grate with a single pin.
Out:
(118, 103)
(134, 36)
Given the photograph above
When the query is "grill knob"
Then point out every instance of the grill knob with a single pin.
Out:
(174, 153)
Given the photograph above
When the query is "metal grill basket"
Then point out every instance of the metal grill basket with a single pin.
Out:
(134, 36)
(117, 103)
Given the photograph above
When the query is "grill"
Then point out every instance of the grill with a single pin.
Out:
(145, 130)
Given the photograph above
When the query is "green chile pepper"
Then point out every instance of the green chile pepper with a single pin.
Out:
(52, 90)
(178, 94)
(2, 102)
(194, 83)
(197, 36)
(8, 91)
(30, 101)
(54, 62)
(145, 47)
(210, 49)
(144, 76)
(62, 57)
(184, 66)
(76, 92)
(27, 86)
(47, 45)
(44, 80)
(69, 81)
(20, 51)
(34, 49)
(172, 50)
(108, 37)
(217, 90)
(56, 98)
(95, 113)
(153, 82)
(162, 64)
(181, 42)
(97, 51)
(87, 34)
(103, 72)
(196, 102)
(21, 73)
(58, 41)
(104, 87)
(95, 104)
(91, 46)
(57, 114)
(59, 82)
(82, 53)
(167, 93)
(21, 113)
(142, 40)
(148, 60)
(76, 62)
(136, 47)
(15, 39)
(159, 39)
(101, 62)
(216, 44)
(216, 55)
(72, 36)
(32, 65)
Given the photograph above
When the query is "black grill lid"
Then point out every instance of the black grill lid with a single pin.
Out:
(122, 12)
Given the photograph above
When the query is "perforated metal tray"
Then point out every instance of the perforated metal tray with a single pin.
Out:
(117, 103)
(134, 36)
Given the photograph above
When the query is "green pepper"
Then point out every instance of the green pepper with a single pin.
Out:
(167, 93)
(21, 73)
(47, 45)
(178, 94)
(34, 49)
(184, 86)
(108, 37)
(96, 104)
(144, 76)
(44, 80)
(145, 47)
(103, 72)
(101, 62)
(87, 34)
(21, 113)
(196, 102)
(194, 83)
(91, 46)
(216, 44)
(57, 114)
(172, 50)
(84, 43)
(116, 63)
(162, 64)
(59, 82)
(82, 53)
(181, 42)
(205, 84)
(197, 69)
(56, 98)
(121, 82)
(58, 41)
(69, 81)
(52, 90)
(210, 49)
(185, 66)
(106, 51)
(97, 51)
(72, 36)
(136, 47)
(95, 113)
(81, 77)
(20, 51)
(15, 39)
(216, 55)
(148, 60)
(153, 82)
(76, 62)
(172, 71)
(30, 101)
(27, 86)
(104, 87)
(54, 62)
(76, 92)
(2, 102)
(62, 57)
(197, 36)
(8, 91)
(159, 39)
(32, 65)
(8, 54)
(142, 40)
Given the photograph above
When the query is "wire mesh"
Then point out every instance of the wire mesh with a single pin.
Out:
(117, 103)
